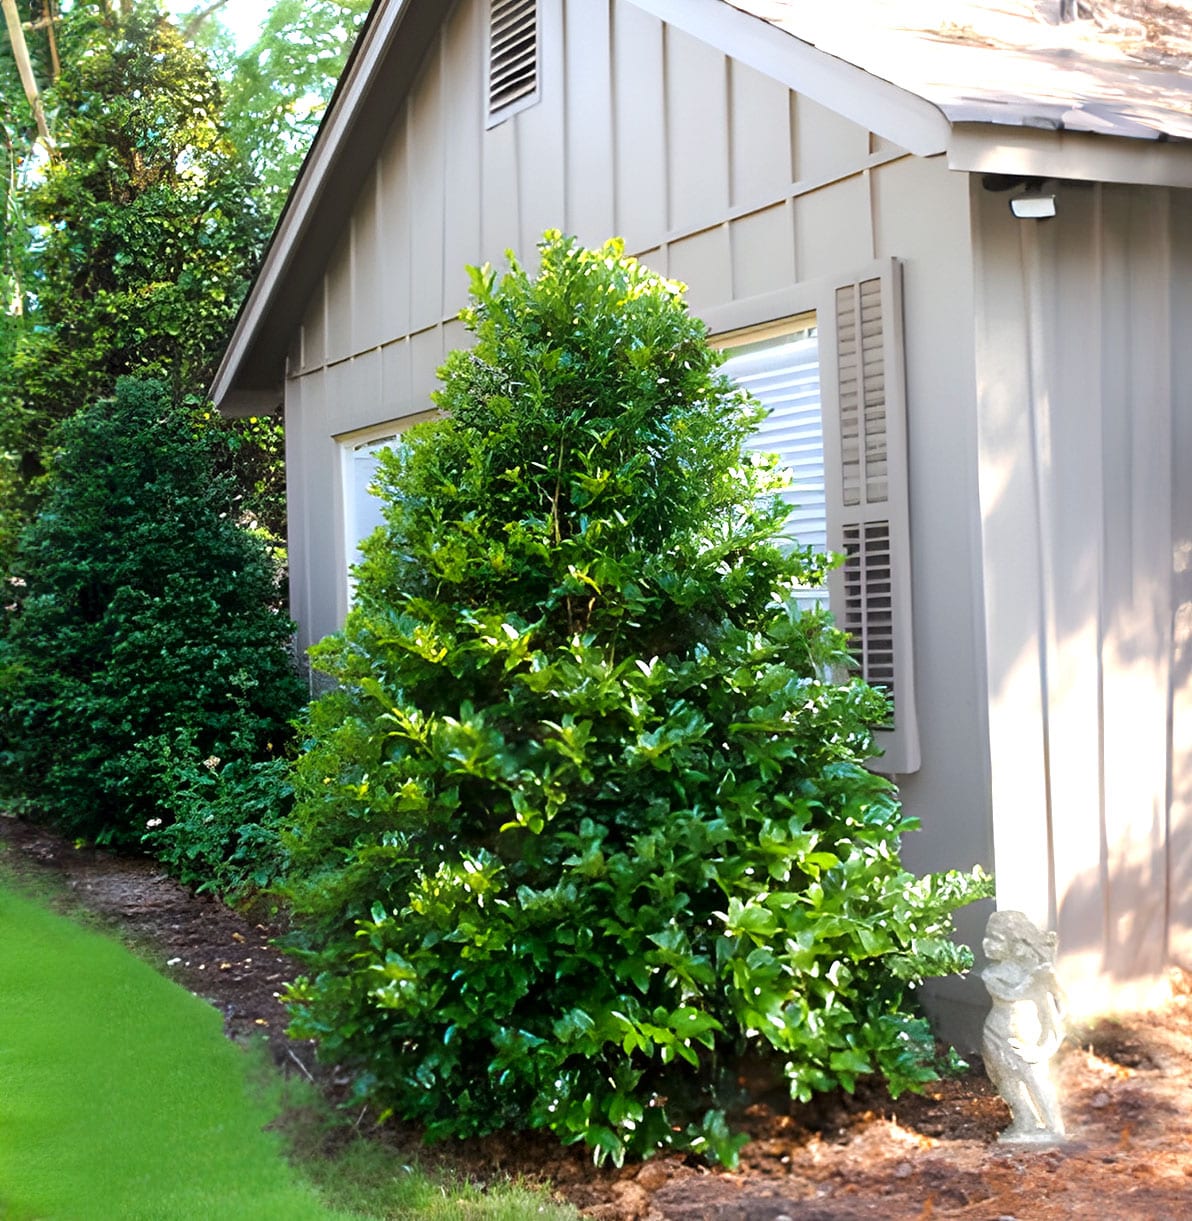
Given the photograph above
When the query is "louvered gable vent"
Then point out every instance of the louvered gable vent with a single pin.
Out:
(869, 517)
(513, 55)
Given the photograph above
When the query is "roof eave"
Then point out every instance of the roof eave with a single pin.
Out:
(251, 376)
(1035, 152)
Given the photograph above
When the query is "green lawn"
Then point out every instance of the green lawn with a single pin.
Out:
(121, 1100)
(119, 1095)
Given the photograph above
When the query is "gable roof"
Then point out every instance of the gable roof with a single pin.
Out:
(991, 84)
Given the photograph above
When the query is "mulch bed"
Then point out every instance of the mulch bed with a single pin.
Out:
(1125, 1087)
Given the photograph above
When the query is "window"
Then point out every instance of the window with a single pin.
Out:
(361, 509)
(779, 365)
(512, 57)
(827, 361)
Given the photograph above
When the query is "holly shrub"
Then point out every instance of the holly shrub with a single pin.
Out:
(585, 818)
(141, 611)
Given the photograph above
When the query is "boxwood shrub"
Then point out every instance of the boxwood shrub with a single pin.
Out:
(141, 612)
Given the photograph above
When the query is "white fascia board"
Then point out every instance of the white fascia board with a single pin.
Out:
(986, 148)
(312, 182)
(896, 114)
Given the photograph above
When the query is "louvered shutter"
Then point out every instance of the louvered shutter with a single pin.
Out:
(865, 449)
(512, 55)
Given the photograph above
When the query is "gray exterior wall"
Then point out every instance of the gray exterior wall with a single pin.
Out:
(715, 175)
(1085, 432)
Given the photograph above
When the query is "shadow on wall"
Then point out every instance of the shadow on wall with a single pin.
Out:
(1113, 951)
(1090, 687)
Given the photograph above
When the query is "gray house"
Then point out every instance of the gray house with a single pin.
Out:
(987, 408)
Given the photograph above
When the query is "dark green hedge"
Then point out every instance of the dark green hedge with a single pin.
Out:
(141, 611)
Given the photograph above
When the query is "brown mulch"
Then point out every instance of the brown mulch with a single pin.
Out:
(1126, 1088)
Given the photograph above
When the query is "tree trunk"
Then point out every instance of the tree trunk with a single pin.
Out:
(50, 17)
(192, 26)
(20, 52)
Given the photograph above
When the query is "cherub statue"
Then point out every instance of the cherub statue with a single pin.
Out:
(1024, 1028)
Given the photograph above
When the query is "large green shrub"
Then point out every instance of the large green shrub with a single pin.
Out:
(585, 817)
(144, 611)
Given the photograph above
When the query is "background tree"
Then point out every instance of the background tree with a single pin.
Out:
(132, 249)
(145, 224)
(277, 90)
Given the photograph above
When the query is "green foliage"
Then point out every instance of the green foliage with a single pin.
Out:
(278, 89)
(225, 816)
(252, 452)
(143, 612)
(132, 247)
(585, 817)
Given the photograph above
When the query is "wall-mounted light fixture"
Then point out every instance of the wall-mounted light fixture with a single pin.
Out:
(1034, 203)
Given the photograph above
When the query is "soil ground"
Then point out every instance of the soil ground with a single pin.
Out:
(1127, 1089)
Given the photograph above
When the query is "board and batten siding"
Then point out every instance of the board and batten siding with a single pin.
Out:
(1085, 421)
(713, 174)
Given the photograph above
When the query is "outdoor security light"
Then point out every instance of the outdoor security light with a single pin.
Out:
(1033, 204)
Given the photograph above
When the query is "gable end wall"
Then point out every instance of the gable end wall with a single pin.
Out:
(714, 175)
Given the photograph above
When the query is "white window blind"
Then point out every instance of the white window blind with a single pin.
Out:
(781, 371)
(783, 375)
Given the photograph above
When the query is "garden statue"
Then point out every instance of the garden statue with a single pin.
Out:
(1025, 1025)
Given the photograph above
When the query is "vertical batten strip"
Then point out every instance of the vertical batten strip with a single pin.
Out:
(1143, 870)
(1043, 473)
(1097, 264)
(1010, 563)
(1179, 821)
(1165, 611)
(1069, 326)
(440, 51)
(667, 172)
(1118, 642)
(614, 127)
